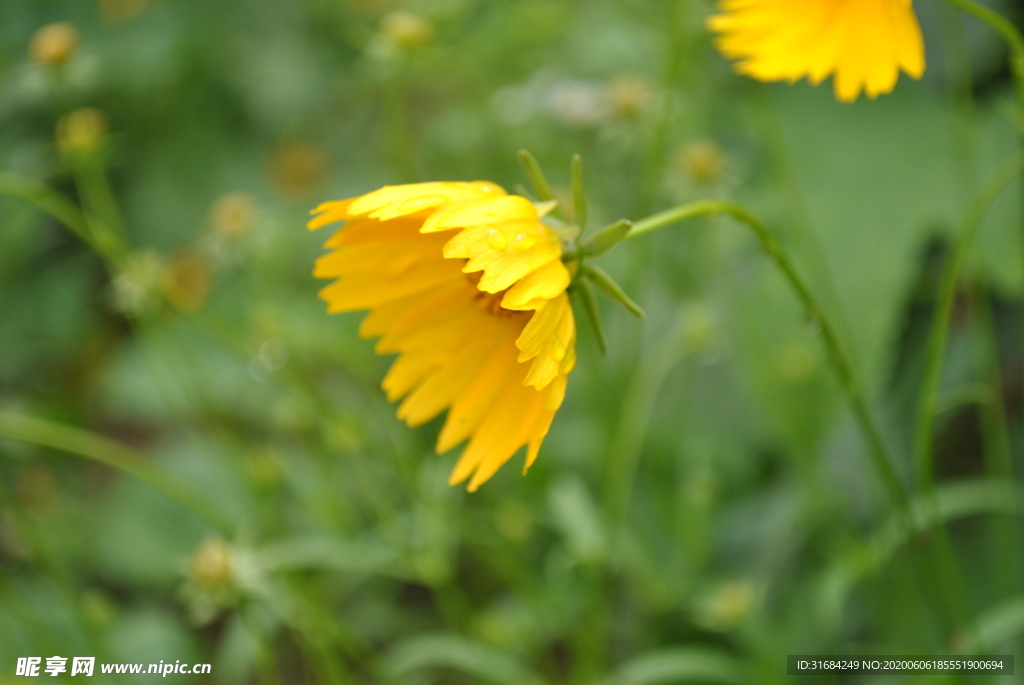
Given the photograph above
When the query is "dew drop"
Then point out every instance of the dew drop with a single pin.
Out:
(419, 203)
(524, 241)
(495, 239)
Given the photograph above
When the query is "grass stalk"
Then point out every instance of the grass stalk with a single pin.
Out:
(83, 443)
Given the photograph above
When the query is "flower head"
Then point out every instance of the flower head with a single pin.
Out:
(467, 285)
(54, 44)
(863, 44)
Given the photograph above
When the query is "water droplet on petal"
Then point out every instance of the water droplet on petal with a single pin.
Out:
(422, 202)
(524, 241)
(495, 239)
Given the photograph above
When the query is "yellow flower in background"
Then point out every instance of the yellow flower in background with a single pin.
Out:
(467, 285)
(862, 44)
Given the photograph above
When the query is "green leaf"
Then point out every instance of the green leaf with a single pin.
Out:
(593, 317)
(955, 501)
(578, 198)
(460, 654)
(607, 238)
(996, 626)
(687, 664)
(612, 289)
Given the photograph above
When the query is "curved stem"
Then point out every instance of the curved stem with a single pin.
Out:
(48, 200)
(106, 451)
(65, 211)
(939, 332)
(880, 456)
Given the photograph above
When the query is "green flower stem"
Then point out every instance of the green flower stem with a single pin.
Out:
(106, 451)
(654, 156)
(938, 335)
(1006, 29)
(1015, 43)
(928, 397)
(105, 243)
(50, 201)
(399, 129)
(97, 195)
(880, 456)
(1004, 531)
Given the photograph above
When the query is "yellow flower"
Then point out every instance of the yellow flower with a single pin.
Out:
(863, 44)
(467, 285)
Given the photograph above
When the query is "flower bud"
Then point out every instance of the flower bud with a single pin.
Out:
(121, 10)
(629, 95)
(298, 168)
(578, 104)
(82, 130)
(728, 605)
(703, 161)
(53, 44)
(186, 281)
(133, 287)
(211, 566)
(233, 215)
(406, 30)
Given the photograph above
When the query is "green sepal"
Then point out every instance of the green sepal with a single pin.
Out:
(607, 238)
(612, 289)
(523, 191)
(540, 184)
(578, 198)
(589, 303)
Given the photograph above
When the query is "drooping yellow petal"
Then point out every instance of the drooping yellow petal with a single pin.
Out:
(505, 428)
(349, 295)
(411, 255)
(863, 44)
(547, 340)
(447, 382)
(467, 411)
(538, 287)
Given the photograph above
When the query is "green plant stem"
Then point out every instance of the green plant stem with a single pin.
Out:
(95, 235)
(637, 405)
(927, 400)
(654, 159)
(50, 201)
(880, 456)
(1015, 42)
(398, 129)
(1005, 28)
(106, 451)
(939, 332)
(1004, 532)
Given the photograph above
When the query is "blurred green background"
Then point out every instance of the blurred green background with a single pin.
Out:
(703, 505)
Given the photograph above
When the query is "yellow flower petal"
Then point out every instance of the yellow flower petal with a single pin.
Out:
(503, 237)
(394, 201)
(547, 340)
(538, 287)
(863, 44)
